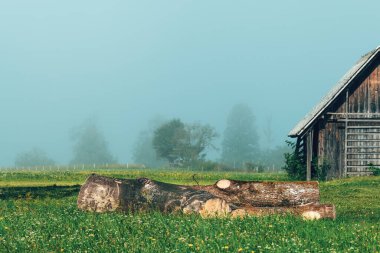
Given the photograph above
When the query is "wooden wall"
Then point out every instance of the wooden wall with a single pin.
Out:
(363, 105)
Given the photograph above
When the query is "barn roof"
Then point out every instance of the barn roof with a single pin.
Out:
(338, 88)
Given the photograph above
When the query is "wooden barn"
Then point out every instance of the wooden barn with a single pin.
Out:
(343, 130)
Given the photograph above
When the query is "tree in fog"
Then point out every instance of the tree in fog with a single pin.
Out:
(33, 157)
(199, 139)
(143, 152)
(168, 140)
(274, 158)
(240, 141)
(183, 144)
(268, 134)
(90, 146)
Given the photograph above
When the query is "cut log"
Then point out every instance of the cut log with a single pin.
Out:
(101, 194)
(307, 212)
(225, 197)
(265, 193)
(215, 208)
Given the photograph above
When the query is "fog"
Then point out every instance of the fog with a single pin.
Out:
(123, 63)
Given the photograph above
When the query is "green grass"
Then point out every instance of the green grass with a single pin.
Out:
(43, 178)
(45, 219)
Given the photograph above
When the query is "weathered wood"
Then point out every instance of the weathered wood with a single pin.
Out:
(264, 193)
(346, 135)
(309, 154)
(342, 120)
(103, 194)
(363, 114)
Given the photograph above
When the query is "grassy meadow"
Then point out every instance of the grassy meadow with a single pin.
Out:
(38, 214)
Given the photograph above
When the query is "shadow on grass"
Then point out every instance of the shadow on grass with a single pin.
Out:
(53, 191)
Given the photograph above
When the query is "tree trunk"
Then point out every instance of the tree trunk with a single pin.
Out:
(225, 197)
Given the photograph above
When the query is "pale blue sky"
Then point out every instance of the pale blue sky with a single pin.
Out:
(124, 62)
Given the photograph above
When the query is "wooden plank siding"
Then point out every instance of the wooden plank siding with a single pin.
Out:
(363, 127)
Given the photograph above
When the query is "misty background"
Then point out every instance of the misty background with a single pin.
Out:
(124, 64)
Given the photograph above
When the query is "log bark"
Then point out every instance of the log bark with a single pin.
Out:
(101, 194)
(225, 197)
(265, 193)
(308, 212)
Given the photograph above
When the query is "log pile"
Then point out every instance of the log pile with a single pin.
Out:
(224, 198)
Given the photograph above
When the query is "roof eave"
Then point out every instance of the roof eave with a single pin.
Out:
(294, 134)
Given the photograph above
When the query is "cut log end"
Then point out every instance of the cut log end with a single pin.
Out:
(99, 197)
(311, 215)
(215, 208)
(223, 184)
(239, 213)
